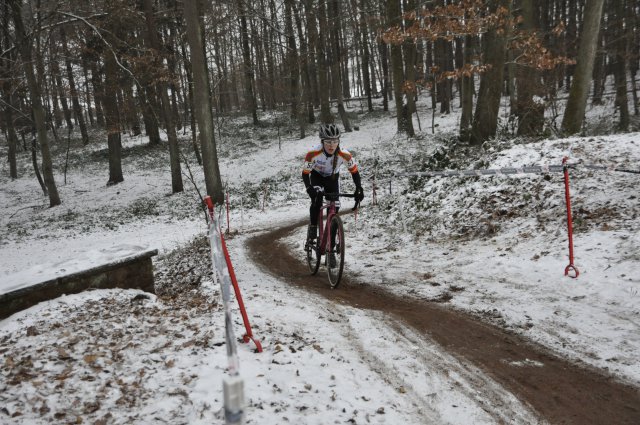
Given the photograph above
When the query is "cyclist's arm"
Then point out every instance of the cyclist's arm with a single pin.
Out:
(356, 179)
(306, 178)
(307, 167)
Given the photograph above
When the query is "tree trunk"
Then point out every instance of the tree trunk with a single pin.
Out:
(87, 92)
(192, 116)
(112, 119)
(306, 79)
(248, 66)
(485, 120)
(634, 44)
(171, 65)
(403, 115)
(224, 100)
(291, 59)
(260, 64)
(36, 103)
(466, 92)
(129, 106)
(36, 169)
(410, 55)
(620, 64)
(149, 117)
(174, 149)
(202, 102)
(312, 30)
(323, 72)
(364, 34)
(529, 111)
(6, 95)
(57, 79)
(599, 71)
(577, 103)
(570, 37)
(384, 62)
(335, 56)
(12, 138)
(271, 66)
(57, 113)
(77, 110)
(444, 86)
(98, 91)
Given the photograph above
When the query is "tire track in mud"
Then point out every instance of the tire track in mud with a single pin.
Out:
(559, 391)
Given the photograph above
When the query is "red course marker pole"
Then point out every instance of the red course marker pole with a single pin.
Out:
(249, 335)
(567, 198)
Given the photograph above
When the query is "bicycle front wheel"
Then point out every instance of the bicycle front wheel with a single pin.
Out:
(335, 257)
(313, 255)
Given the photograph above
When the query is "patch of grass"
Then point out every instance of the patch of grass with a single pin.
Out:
(143, 207)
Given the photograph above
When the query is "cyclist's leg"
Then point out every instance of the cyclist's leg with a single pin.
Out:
(314, 208)
(332, 185)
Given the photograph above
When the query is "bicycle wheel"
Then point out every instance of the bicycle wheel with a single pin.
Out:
(313, 255)
(335, 257)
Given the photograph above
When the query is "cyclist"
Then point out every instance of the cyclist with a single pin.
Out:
(322, 170)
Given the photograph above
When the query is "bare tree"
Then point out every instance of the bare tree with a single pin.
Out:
(307, 82)
(485, 119)
(248, 66)
(404, 121)
(530, 112)
(366, 56)
(202, 102)
(577, 103)
(335, 59)
(161, 86)
(112, 120)
(24, 44)
(77, 109)
(7, 61)
(323, 63)
(467, 89)
(619, 47)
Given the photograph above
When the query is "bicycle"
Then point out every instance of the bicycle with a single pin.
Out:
(330, 242)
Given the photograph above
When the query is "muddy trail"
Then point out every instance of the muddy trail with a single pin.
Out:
(560, 392)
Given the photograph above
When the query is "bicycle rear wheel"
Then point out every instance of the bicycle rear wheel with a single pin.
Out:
(313, 255)
(334, 268)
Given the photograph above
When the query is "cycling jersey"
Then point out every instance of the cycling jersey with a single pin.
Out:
(317, 160)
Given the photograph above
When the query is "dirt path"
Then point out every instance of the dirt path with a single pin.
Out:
(559, 391)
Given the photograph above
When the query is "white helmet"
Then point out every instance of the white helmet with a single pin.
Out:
(329, 131)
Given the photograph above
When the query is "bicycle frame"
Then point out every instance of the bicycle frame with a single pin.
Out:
(323, 230)
(330, 239)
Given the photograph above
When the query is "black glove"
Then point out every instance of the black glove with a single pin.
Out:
(358, 194)
(311, 191)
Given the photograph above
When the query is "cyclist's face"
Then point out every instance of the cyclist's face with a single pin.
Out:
(330, 145)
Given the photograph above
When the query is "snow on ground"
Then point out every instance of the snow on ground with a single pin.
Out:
(493, 246)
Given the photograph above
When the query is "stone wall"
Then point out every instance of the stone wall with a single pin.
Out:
(135, 272)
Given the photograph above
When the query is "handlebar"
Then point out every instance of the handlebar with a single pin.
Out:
(343, 195)
(320, 192)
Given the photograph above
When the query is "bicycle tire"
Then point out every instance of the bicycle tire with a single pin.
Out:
(312, 250)
(335, 273)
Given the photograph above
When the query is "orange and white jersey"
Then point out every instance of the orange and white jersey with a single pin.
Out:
(316, 159)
